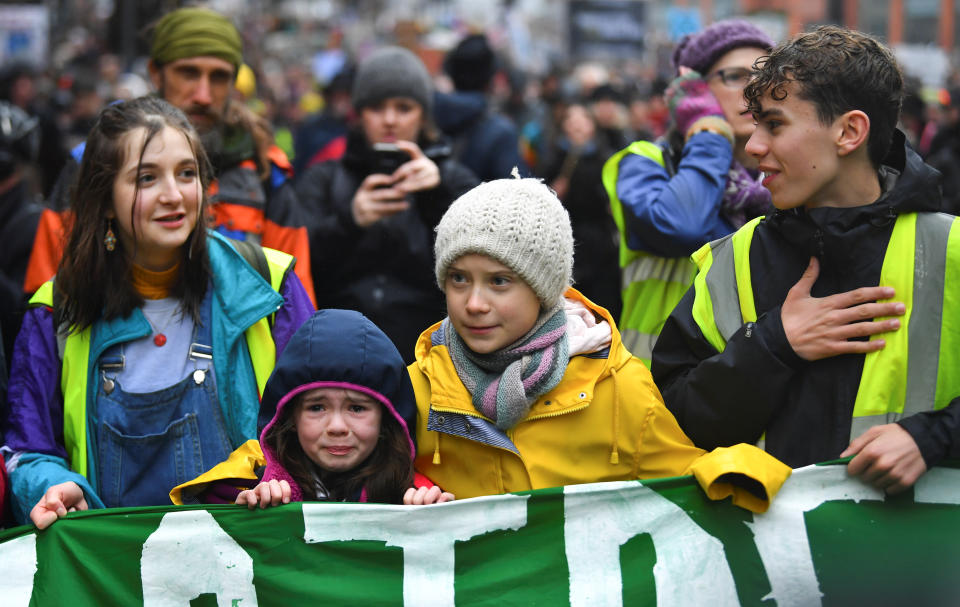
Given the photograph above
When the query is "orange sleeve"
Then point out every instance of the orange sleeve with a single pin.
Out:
(279, 158)
(48, 245)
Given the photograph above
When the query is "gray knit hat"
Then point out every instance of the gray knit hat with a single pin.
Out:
(518, 222)
(392, 71)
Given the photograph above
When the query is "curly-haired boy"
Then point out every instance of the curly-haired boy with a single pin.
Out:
(824, 330)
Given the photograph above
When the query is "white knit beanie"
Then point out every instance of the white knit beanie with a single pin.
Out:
(518, 222)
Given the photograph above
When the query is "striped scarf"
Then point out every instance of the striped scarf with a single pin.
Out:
(504, 384)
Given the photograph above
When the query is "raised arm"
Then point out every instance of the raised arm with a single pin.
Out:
(673, 215)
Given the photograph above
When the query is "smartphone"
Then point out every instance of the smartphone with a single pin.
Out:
(388, 157)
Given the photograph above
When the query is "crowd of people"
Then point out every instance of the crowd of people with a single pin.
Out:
(442, 297)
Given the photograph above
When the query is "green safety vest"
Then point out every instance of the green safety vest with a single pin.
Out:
(75, 354)
(651, 286)
(917, 368)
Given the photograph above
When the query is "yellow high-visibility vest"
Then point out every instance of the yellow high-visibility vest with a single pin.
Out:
(917, 368)
(75, 356)
(651, 286)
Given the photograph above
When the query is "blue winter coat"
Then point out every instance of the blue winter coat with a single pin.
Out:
(673, 215)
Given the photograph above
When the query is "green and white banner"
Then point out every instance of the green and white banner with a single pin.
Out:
(827, 539)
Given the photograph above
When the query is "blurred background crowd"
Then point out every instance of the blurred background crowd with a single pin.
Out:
(587, 73)
(571, 82)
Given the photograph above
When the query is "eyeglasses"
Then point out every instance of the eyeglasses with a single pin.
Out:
(733, 77)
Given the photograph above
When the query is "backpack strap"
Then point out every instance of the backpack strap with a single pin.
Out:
(253, 254)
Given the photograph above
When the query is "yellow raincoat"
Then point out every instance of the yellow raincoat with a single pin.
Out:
(605, 421)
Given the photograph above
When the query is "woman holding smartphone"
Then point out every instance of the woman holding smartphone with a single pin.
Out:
(373, 211)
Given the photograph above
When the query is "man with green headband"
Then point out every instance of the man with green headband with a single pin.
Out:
(194, 58)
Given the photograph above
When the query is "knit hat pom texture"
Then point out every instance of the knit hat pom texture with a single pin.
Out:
(518, 222)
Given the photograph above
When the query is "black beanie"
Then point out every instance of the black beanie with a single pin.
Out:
(471, 64)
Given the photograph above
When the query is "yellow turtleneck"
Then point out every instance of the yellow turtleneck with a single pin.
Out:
(154, 285)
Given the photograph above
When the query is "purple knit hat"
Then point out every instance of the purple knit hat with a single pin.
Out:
(700, 51)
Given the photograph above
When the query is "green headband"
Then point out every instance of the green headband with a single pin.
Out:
(196, 32)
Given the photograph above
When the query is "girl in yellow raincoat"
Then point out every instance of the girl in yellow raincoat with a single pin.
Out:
(526, 384)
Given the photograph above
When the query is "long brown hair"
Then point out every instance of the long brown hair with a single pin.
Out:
(95, 282)
(238, 115)
(386, 474)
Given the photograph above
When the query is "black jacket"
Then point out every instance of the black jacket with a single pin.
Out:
(945, 157)
(596, 264)
(484, 141)
(19, 216)
(385, 270)
(758, 384)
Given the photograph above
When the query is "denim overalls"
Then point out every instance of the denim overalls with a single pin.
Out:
(149, 443)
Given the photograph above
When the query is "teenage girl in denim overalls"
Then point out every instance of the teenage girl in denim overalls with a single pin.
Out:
(160, 369)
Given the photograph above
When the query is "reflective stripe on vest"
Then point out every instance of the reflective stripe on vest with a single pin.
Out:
(74, 376)
(651, 286)
(723, 292)
(922, 256)
(916, 369)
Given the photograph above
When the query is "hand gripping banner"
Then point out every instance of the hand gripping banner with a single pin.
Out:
(827, 539)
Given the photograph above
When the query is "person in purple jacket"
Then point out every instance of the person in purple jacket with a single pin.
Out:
(140, 365)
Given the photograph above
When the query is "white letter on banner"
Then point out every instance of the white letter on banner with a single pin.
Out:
(938, 486)
(781, 533)
(18, 562)
(190, 554)
(426, 534)
(691, 565)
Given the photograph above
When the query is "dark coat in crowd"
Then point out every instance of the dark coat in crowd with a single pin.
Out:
(385, 270)
(19, 215)
(484, 141)
(596, 267)
(945, 157)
